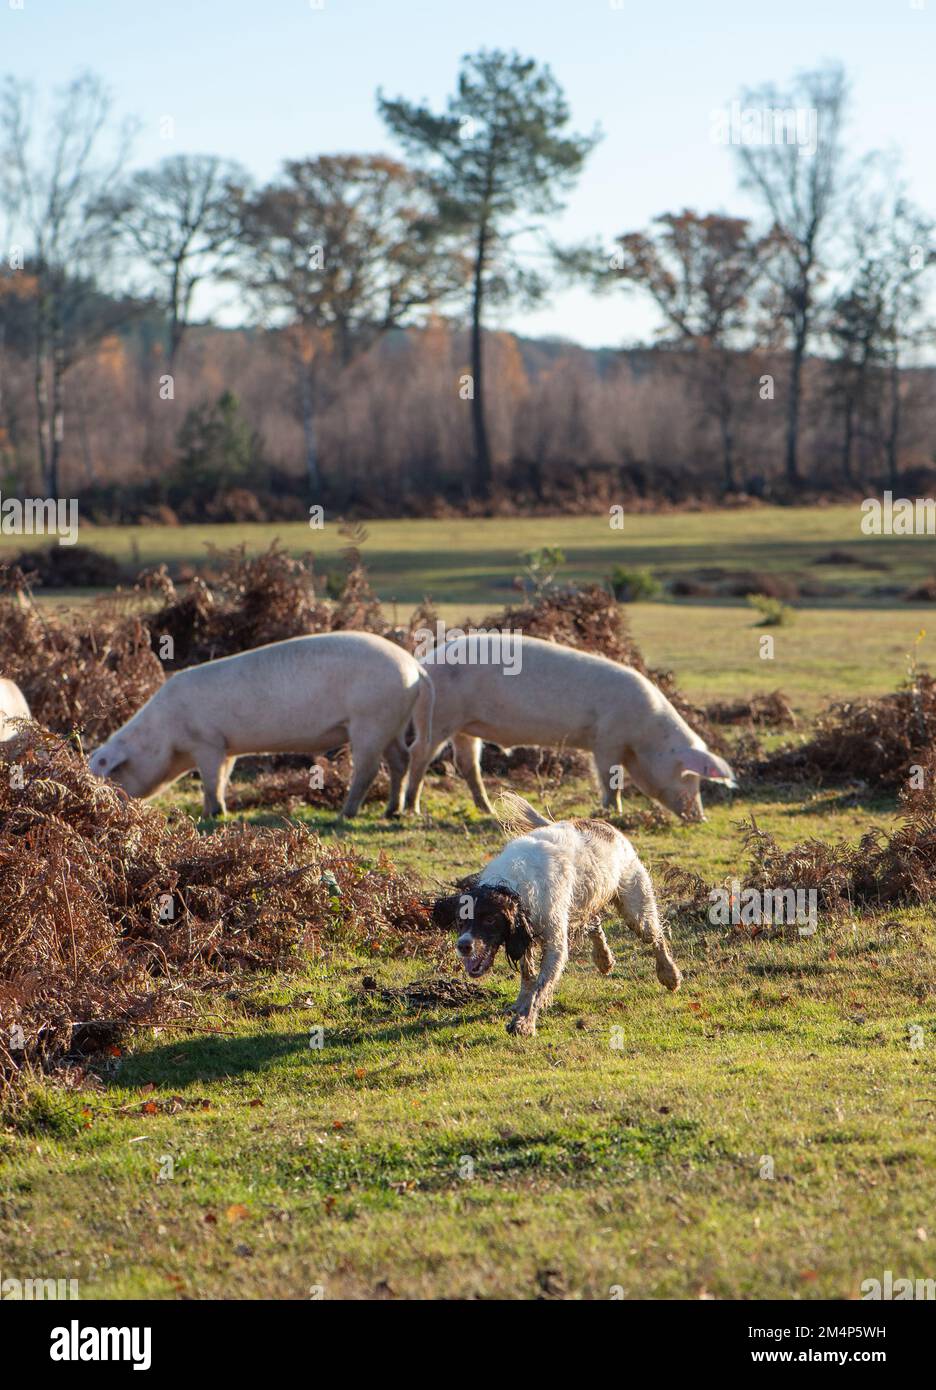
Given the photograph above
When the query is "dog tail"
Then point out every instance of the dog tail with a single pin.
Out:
(516, 815)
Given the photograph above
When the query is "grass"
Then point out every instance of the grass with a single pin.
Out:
(468, 562)
(425, 1153)
(428, 1154)
(829, 654)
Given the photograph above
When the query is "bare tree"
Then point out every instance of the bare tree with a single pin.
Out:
(800, 187)
(701, 272)
(338, 252)
(53, 186)
(180, 219)
(882, 315)
(907, 324)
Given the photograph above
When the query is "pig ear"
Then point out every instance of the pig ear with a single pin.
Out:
(104, 764)
(701, 763)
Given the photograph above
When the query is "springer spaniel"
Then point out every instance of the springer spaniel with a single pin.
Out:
(546, 889)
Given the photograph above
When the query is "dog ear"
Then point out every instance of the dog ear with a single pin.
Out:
(445, 912)
(520, 939)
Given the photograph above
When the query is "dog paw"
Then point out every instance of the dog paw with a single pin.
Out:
(668, 974)
(522, 1026)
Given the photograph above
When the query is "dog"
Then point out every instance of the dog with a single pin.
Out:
(546, 891)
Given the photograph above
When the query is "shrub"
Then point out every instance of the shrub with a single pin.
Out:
(69, 567)
(773, 612)
(634, 586)
(217, 452)
(540, 567)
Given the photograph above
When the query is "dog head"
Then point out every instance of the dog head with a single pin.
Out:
(486, 918)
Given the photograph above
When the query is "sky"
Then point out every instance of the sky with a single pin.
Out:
(261, 81)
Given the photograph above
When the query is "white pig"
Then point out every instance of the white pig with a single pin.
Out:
(305, 695)
(12, 706)
(548, 695)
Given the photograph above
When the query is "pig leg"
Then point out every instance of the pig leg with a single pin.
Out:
(214, 768)
(395, 757)
(468, 761)
(636, 903)
(417, 772)
(365, 761)
(609, 765)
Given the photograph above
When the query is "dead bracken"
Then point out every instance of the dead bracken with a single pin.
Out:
(881, 870)
(875, 741)
(111, 910)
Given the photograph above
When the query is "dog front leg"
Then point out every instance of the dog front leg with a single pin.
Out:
(529, 1004)
(527, 987)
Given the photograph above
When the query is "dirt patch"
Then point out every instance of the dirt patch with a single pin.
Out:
(441, 991)
(846, 557)
(924, 592)
(772, 711)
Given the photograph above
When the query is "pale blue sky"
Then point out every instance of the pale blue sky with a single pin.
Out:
(263, 80)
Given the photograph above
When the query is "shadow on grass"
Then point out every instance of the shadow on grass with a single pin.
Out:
(190, 1061)
(847, 801)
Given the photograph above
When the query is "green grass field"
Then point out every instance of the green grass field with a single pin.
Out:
(474, 562)
(766, 1132)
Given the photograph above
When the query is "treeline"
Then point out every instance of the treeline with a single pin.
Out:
(364, 376)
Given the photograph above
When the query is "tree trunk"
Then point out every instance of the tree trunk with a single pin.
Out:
(727, 434)
(893, 428)
(41, 388)
(176, 327)
(482, 451)
(793, 402)
(848, 439)
(58, 405)
(306, 390)
(726, 420)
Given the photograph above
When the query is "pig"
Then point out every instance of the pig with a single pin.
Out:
(543, 694)
(12, 706)
(304, 695)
